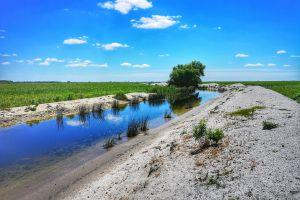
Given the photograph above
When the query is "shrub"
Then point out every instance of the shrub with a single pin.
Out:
(167, 114)
(215, 135)
(109, 143)
(133, 128)
(121, 96)
(156, 97)
(269, 125)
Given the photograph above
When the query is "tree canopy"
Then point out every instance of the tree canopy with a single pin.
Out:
(186, 75)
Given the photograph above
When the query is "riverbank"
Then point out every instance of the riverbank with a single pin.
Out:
(250, 162)
(35, 113)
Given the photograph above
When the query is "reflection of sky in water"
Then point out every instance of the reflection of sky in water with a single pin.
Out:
(22, 143)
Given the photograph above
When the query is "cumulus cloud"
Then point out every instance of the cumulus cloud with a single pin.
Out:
(127, 64)
(271, 65)
(5, 63)
(155, 22)
(72, 41)
(48, 61)
(111, 46)
(84, 63)
(254, 65)
(20, 61)
(286, 65)
(241, 55)
(125, 6)
(281, 51)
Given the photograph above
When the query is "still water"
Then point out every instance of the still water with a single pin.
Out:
(27, 146)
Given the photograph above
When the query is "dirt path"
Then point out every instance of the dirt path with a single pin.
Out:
(251, 163)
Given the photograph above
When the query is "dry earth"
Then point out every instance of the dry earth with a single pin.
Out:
(250, 163)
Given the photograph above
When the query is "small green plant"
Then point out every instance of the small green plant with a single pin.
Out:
(269, 125)
(109, 143)
(248, 112)
(32, 108)
(167, 114)
(199, 131)
(121, 96)
(215, 135)
(70, 97)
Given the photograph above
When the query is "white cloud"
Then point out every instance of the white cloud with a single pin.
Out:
(125, 6)
(72, 41)
(127, 64)
(164, 55)
(281, 51)
(155, 22)
(286, 65)
(9, 55)
(19, 61)
(241, 55)
(2, 37)
(254, 65)
(112, 46)
(84, 63)
(186, 26)
(219, 28)
(295, 56)
(48, 61)
(271, 65)
(5, 63)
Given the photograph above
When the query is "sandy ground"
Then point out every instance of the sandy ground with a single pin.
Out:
(25, 114)
(250, 163)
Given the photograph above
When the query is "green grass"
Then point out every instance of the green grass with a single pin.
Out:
(24, 94)
(290, 89)
(247, 112)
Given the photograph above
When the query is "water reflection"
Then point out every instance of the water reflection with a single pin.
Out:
(60, 121)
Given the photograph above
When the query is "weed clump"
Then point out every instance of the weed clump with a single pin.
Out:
(168, 114)
(133, 128)
(83, 113)
(97, 110)
(121, 96)
(109, 143)
(143, 124)
(269, 125)
(248, 112)
(134, 101)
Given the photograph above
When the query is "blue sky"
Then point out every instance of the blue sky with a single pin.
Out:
(141, 40)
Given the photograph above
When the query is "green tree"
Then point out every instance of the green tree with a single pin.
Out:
(187, 75)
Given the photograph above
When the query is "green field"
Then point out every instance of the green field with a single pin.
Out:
(290, 89)
(22, 94)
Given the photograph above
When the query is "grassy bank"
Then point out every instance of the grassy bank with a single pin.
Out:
(22, 94)
(290, 89)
